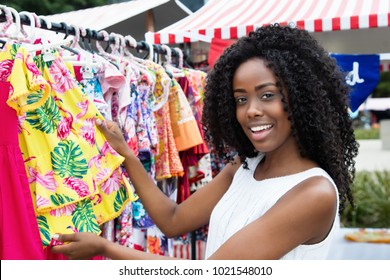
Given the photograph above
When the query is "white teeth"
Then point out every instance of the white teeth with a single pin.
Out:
(260, 128)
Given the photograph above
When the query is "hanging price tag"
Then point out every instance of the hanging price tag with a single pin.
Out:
(48, 54)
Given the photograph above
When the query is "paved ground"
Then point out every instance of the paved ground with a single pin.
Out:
(371, 156)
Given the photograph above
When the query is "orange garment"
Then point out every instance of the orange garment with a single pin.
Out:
(167, 160)
(184, 126)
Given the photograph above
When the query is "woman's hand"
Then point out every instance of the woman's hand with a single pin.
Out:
(114, 135)
(80, 245)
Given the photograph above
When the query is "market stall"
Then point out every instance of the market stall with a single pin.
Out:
(352, 27)
(232, 19)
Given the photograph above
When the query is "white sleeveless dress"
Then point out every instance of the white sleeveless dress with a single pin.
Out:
(248, 199)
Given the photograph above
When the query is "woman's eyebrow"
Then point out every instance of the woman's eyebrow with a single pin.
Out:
(259, 87)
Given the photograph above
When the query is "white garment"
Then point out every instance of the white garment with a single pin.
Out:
(248, 199)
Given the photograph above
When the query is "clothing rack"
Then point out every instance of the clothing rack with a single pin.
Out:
(90, 34)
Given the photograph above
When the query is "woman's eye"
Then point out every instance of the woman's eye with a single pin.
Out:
(240, 100)
(267, 95)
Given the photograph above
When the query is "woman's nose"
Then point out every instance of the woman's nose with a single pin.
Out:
(255, 108)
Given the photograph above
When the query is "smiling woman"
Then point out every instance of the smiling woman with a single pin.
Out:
(276, 99)
(259, 107)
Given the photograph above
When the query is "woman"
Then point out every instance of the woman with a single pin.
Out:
(277, 99)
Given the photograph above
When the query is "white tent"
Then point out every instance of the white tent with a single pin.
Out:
(127, 18)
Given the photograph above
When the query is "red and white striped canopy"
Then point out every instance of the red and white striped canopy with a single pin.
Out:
(229, 19)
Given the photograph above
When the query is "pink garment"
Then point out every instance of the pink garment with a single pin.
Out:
(116, 91)
(19, 234)
(111, 80)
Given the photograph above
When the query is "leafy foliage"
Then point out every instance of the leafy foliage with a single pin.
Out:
(120, 198)
(44, 230)
(58, 199)
(68, 160)
(48, 7)
(383, 87)
(371, 191)
(84, 218)
(41, 64)
(45, 118)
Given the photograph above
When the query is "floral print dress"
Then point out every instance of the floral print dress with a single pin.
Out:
(75, 178)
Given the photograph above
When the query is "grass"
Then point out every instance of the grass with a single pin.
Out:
(371, 133)
(371, 191)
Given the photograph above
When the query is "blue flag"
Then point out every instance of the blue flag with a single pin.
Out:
(362, 75)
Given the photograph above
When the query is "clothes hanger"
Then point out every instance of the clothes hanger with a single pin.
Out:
(4, 37)
(103, 52)
(74, 44)
(176, 72)
(132, 68)
(30, 36)
(46, 23)
(90, 34)
(85, 59)
(10, 14)
(100, 49)
(180, 57)
(143, 48)
(151, 51)
(83, 34)
(48, 47)
(132, 42)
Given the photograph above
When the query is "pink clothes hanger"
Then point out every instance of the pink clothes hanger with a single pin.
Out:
(29, 36)
(11, 13)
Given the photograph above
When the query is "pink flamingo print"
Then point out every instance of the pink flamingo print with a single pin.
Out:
(95, 160)
(78, 185)
(32, 67)
(5, 69)
(106, 148)
(61, 74)
(41, 201)
(21, 120)
(83, 105)
(66, 210)
(113, 183)
(88, 131)
(65, 125)
(47, 181)
(30, 158)
(102, 175)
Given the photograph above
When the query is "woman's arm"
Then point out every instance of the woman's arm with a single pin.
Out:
(172, 219)
(84, 245)
(304, 215)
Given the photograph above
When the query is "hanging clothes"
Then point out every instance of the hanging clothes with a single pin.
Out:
(18, 225)
(75, 177)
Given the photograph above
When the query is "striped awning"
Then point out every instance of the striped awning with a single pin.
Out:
(230, 19)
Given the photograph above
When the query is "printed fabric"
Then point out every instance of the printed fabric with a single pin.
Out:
(75, 178)
(18, 225)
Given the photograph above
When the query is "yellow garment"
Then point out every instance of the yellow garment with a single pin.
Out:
(75, 177)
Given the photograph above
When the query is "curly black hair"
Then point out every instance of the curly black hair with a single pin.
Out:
(317, 101)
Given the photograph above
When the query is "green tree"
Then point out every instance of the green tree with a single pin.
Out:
(49, 7)
(383, 87)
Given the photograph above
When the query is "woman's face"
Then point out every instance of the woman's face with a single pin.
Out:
(259, 107)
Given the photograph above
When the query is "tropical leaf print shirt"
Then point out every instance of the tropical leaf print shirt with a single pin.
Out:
(75, 177)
